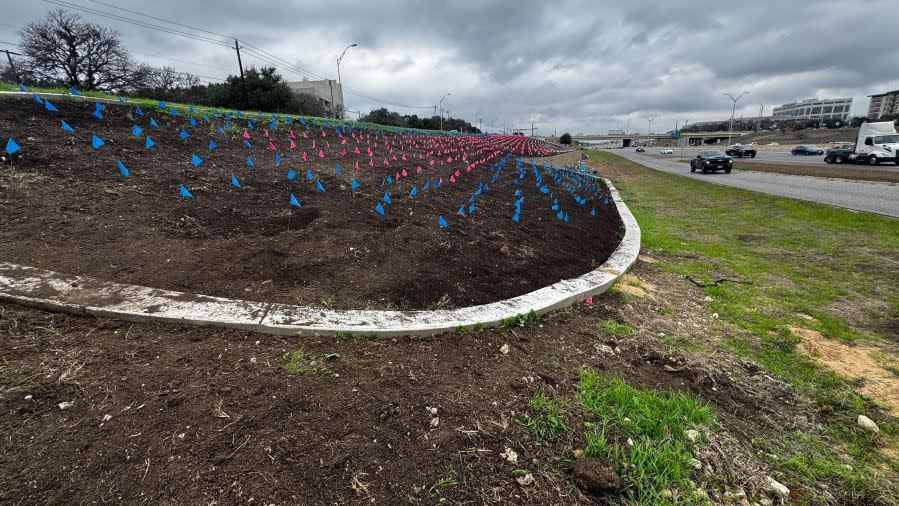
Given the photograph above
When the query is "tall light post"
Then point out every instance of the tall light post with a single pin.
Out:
(649, 120)
(730, 127)
(441, 110)
(340, 59)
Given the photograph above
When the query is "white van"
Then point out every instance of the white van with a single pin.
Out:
(877, 143)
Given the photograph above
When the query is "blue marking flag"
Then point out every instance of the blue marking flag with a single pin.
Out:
(211, 145)
(353, 184)
(121, 99)
(193, 121)
(23, 88)
(277, 158)
(153, 123)
(515, 217)
(414, 191)
(160, 104)
(234, 181)
(291, 174)
(249, 162)
(246, 143)
(136, 131)
(183, 191)
(49, 106)
(318, 186)
(593, 212)
(471, 209)
(183, 134)
(387, 199)
(97, 142)
(555, 207)
(139, 112)
(436, 184)
(337, 169)
(190, 107)
(221, 131)
(206, 118)
(517, 192)
(561, 215)
(73, 91)
(606, 201)
(309, 175)
(389, 179)
(97, 114)
(173, 112)
(426, 186)
(66, 127)
(461, 210)
(149, 144)
(442, 222)
(294, 202)
(11, 146)
(122, 168)
(196, 160)
(379, 208)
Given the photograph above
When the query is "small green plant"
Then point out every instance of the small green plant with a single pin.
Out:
(520, 320)
(544, 418)
(612, 328)
(341, 334)
(302, 362)
(460, 329)
(450, 479)
(478, 327)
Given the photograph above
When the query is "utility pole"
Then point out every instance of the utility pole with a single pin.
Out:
(441, 110)
(331, 86)
(533, 119)
(730, 128)
(758, 124)
(11, 65)
(627, 129)
(243, 82)
(338, 76)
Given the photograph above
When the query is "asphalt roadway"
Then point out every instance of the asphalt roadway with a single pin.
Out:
(870, 196)
(779, 157)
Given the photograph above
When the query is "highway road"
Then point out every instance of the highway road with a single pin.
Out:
(762, 156)
(874, 197)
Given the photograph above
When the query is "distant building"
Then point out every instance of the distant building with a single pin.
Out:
(616, 132)
(884, 104)
(813, 108)
(328, 91)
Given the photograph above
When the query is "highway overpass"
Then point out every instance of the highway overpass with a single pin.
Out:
(686, 138)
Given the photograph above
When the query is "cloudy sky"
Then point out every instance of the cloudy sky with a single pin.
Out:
(574, 66)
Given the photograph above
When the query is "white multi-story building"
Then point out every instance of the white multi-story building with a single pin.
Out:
(813, 108)
(328, 92)
(883, 104)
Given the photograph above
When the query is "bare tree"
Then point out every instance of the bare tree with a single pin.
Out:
(64, 47)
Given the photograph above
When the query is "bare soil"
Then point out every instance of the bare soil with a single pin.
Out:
(67, 207)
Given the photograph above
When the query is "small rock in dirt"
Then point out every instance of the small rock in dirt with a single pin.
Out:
(692, 435)
(630, 442)
(604, 349)
(707, 299)
(509, 455)
(252, 360)
(432, 411)
(764, 501)
(504, 349)
(596, 475)
(525, 480)
(578, 454)
(778, 487)
(867, 423)
(107, 417)
(66, 405)
(28, 397)
(435, 421)
(715, 315)
(696, 464)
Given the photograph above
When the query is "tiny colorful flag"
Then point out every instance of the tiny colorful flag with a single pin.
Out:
(211, 145)
(136, 131)
(249, 162)
(379, 208)
(318, 186)
(11, 146)
(442, 222)
(153, 123)
(49, 106)
(149, 144)
(66, 127)
(122, 168)
(291, 174)
(294, 202)
(354, 184)
(73, 91)
(97, 142)
(387, 199)
(183, 191)
(234, 181)
(183, 134)
(195, 160)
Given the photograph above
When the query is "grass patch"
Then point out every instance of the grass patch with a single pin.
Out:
(450, 479)
(642, 433)
(545, 418)
(613, 328)
(520, 320)
(888, 362)
(303, 362)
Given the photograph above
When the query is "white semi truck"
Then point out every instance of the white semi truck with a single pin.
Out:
(877, 143)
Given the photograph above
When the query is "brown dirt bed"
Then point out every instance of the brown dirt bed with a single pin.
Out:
(67, 208)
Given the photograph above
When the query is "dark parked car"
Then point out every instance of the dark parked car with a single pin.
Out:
(807, 150)
(839, 154)
(711, 161)
(741, 151)
(641, 149)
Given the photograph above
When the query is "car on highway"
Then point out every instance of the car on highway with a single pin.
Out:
(666, 151)
(839, 154)
(741, 151)
(641, 149)
(807, 150)
(711, 161)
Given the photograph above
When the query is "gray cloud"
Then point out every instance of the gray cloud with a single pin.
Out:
(575, 65)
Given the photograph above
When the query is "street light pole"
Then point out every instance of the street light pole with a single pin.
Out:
(649, 119)
(730, 127)
(340, 59)
(441, 110)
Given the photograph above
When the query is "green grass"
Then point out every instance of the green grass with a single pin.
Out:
(658, 457)
(797, 259)
(450, 479)
(545, 418)
(303, 362)
(613, 328)
(520, 320)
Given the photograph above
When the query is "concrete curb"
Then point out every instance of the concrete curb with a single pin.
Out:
(44, 289)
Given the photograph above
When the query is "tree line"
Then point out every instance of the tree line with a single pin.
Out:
(384, 117)
(65, 50)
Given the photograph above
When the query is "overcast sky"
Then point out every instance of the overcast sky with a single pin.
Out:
(575, 66)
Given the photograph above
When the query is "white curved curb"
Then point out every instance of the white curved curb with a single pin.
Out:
(75, 294)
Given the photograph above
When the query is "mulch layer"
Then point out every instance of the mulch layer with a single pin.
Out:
(68, 207)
